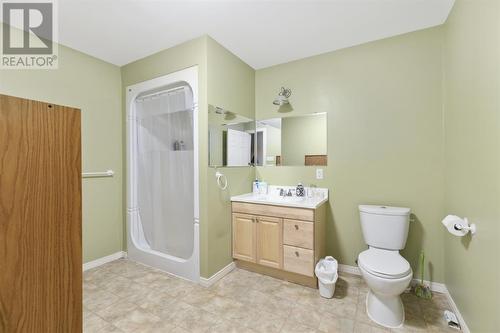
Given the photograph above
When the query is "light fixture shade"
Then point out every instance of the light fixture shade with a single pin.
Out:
(280, 100)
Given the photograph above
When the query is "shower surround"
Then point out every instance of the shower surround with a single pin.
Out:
(162, 179)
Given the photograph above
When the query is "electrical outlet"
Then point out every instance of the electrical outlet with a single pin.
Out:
(319, 173)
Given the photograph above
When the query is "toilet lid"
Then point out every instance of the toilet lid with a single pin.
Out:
(384, 263)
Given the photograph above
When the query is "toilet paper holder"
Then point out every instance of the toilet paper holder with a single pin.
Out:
(458, 226)
(466, 226)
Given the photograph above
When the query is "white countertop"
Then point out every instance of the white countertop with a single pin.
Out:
(316, 197)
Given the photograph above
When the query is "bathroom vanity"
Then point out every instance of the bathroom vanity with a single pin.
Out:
(280, 236)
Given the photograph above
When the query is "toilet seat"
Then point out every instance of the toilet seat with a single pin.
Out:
(384, 263)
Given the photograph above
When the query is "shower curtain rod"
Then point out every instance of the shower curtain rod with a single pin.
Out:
(158, 93)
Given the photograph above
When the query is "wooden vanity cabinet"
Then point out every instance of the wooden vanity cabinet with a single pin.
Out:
(284, 242)
(258, 239)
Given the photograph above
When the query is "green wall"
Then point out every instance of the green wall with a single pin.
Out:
(231, 85)
(93, 86)
(231, 82)
(384, 110)
(472, 146)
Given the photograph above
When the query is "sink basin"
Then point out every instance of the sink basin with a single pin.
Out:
(287, 199)
(274, 199)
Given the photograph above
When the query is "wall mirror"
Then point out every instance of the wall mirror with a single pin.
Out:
(231, 138)
(296, 140)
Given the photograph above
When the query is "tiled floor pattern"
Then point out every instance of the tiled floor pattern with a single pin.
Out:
(124, 296)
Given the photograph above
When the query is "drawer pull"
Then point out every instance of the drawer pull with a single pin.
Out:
(296, 253)
(296, 227)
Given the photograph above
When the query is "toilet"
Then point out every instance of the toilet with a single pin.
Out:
(385, 271)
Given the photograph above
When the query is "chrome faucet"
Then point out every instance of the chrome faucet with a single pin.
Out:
(285, 193)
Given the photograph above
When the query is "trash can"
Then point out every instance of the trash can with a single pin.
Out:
(326, 272)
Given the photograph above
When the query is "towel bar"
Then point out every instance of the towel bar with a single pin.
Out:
(107, 173)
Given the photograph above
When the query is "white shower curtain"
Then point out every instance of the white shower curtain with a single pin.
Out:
(166, 171)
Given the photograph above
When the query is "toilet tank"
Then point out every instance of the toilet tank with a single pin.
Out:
(385, 227)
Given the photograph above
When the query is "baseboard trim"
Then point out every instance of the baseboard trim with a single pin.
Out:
(104, 260)
(435, 287)
(349, 269)
(455, 310)
(207, 282)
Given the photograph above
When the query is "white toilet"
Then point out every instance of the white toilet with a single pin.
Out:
(385, 271)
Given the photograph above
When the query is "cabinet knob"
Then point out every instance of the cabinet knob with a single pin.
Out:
(296, 253)
(296, 227)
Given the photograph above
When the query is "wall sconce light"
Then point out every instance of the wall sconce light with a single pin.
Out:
(282, 97)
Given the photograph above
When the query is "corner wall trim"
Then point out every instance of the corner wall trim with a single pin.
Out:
(435, 286)
(104, 260)
(207, 282)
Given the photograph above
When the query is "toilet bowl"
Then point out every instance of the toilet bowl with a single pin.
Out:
(387, 274)
(385, 271)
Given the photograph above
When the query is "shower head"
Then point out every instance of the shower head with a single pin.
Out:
(283, 96)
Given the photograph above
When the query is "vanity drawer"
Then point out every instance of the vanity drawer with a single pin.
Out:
(298, 233)
(298, 260)
(276, 211)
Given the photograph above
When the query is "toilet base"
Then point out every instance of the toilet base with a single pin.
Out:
(387, 311)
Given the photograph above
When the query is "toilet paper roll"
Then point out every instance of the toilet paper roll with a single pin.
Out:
(450, 221)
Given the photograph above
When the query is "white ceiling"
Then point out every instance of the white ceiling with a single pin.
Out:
(262, 33)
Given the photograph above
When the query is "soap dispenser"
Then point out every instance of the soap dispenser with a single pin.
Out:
(299, 190)
(255, 188)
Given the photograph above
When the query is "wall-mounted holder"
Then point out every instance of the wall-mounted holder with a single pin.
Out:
(221, 180)
(458, 226)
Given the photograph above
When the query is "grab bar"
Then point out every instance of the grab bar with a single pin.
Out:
(107, 173)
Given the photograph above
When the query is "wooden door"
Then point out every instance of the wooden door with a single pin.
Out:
(40, 217)
(244, 233)
(269, 241)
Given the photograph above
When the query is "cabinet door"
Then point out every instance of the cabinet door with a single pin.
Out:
(269, 241)
(244, 233)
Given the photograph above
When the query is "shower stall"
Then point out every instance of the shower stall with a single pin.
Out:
(162, 173)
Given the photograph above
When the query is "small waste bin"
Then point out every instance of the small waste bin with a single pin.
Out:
(326, 272)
